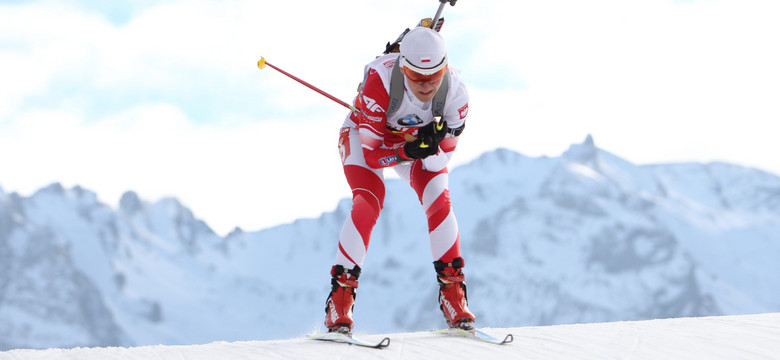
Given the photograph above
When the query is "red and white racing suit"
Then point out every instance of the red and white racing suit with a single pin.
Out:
(368, 143)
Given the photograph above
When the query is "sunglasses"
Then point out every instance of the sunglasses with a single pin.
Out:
(420, 78)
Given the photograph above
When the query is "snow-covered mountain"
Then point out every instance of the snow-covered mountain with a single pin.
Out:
(583, 237)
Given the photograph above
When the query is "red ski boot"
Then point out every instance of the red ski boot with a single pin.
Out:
(453, 301)
(338, 306)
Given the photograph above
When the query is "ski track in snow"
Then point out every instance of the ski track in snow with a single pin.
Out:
(723, 337)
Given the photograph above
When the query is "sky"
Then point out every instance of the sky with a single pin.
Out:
(164, 97)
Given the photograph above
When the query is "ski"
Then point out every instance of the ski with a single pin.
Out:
(475, 334)
(350, 339)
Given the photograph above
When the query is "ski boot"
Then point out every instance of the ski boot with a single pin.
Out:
(453, 301)
(341, 300)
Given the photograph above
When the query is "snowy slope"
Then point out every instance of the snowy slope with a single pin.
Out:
(727, 337)
(583, 237)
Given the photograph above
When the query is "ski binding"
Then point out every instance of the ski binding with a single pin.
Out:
(348, 338)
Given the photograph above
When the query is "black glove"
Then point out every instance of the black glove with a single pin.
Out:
(434, 131)
(418, 149)
(427, 143)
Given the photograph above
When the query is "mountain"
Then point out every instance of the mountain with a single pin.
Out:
(582, 237)
(720, 337)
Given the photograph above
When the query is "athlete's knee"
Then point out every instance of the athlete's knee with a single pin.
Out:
(365, 203)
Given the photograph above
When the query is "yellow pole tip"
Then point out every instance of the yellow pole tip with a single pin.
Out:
(261, 63)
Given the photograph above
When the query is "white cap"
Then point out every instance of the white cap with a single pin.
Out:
(423, 50)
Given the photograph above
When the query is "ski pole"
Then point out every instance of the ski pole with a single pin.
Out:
(262, 63)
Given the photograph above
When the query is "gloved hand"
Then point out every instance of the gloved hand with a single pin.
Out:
(437, 130)
(427, 142)
(418, 149)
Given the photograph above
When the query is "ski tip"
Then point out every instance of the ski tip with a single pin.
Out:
(384, 343)
(508, 339)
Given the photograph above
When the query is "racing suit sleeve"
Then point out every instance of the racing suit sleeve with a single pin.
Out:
(372, 123)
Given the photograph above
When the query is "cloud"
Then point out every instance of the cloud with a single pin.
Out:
(169, 103)
(644, 77)
(164, 97)
(243, 169)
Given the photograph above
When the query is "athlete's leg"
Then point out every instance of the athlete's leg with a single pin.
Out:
(432, 189)
(368, 193)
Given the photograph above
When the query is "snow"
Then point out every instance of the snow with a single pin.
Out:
(724, 337)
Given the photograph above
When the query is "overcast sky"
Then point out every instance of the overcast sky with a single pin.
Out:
(164, 98)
